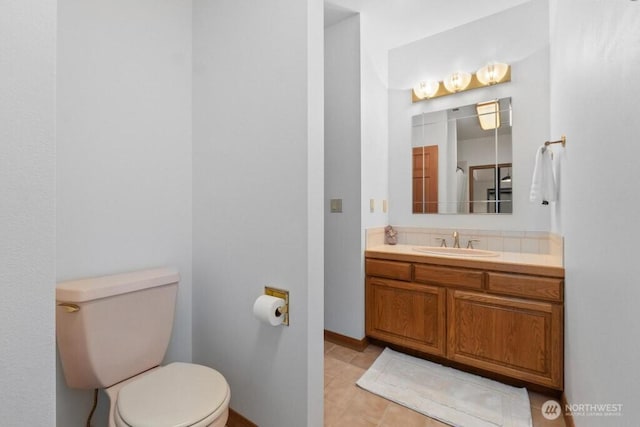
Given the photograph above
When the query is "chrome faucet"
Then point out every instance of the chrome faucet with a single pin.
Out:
(456, 239)
(443, 242)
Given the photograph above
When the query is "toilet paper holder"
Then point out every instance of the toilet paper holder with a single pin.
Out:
(280, 293)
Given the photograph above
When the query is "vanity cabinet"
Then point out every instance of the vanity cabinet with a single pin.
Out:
(491, 318)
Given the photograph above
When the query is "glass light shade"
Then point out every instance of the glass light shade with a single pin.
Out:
(426, 89)
(457, 81)
(492, 73)
(488, 115)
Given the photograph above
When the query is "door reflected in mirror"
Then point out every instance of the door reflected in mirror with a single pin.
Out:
(462, 159)
(425, 179)
(490, 192)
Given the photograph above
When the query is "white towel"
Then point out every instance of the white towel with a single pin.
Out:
(543, 185)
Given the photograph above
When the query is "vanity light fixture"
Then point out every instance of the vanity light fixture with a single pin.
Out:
(457, 81)
(426, 89)
(488, 115)
(460, 81)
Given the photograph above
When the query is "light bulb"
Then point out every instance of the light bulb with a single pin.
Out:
(492, 73)
(457, 81)
(426, 89)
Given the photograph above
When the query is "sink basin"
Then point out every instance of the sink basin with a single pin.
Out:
(455, 251)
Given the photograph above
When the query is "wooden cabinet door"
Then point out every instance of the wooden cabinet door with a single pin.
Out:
(514, 337)
(425, 179)
(406, 314)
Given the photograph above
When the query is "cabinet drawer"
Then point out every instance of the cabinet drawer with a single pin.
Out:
(448, 276)
(390, 269)
(526, 286)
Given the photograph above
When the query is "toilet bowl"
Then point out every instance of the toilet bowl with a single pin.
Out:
(113, 332)
(178, 394)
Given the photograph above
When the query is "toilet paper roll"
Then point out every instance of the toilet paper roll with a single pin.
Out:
(265, 309)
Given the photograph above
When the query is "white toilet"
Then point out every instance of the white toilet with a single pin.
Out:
(113, 332)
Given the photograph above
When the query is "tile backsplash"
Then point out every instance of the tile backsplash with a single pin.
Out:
(535, 242)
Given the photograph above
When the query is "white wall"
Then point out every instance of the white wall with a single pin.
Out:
(371, 88)
(375, 126)
(373, 113)
(374, 130)
(595, 60)
(124, 153)
(385, 25)
(258, 195)
(388, 24)
(344, 292)
(518, 36)
(27, 212)
(315, 218)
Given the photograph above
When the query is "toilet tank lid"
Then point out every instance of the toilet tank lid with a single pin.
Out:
(93, 288)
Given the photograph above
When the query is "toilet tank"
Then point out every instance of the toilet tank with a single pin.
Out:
(111, 328)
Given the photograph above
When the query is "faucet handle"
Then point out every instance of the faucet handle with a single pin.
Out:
(443, 242)
(471, 242)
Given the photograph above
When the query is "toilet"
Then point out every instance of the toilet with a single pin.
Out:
(113, 332)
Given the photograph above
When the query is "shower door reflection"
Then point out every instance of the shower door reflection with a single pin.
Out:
(490, 189)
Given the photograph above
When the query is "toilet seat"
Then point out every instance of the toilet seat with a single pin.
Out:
(176, 395)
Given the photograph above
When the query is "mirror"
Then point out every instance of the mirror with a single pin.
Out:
(462, 159)
(484, 185)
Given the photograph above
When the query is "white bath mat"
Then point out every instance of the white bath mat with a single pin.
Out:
(449, 395)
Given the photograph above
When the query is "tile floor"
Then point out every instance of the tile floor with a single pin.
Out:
(347, 405)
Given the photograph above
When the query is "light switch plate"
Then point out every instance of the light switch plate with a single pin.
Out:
(384, 206)
(372, 205)
(336, 205)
